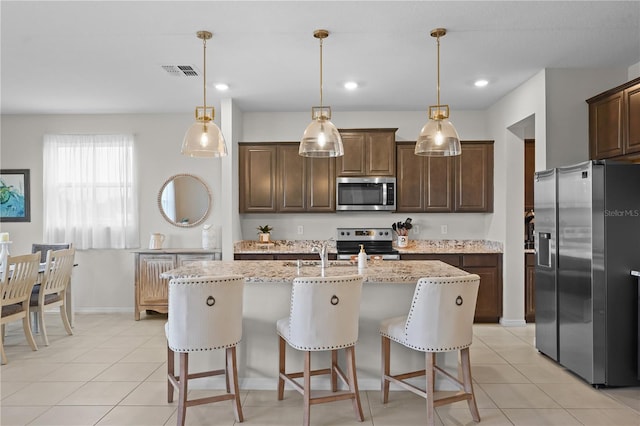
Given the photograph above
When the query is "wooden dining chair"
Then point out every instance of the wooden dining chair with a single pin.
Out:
(53, 288)
(43, 248)
(19, 275)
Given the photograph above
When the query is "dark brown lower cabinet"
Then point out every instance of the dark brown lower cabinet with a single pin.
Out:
(488, 267)
(281, 256)
(529, 287)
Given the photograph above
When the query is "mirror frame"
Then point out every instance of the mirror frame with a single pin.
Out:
(206, 213)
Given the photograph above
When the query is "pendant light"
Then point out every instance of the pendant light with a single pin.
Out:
(438, 138)
(204, 138)
(321, 138)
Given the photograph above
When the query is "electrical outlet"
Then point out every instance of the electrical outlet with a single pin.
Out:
(443, 229)
(300, 229)
(416, 229)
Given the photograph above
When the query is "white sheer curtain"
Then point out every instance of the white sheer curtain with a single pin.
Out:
(90, 191)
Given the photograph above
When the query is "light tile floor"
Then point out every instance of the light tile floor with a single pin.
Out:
(112, 372)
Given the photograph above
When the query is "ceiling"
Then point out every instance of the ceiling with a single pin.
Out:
(107, 56)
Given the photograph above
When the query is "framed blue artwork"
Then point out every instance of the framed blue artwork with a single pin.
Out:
(14, 195)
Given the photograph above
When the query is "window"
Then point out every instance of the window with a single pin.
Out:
(90, 192)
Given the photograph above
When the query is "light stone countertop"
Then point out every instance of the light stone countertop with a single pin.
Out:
(415, 246)
(274, 271)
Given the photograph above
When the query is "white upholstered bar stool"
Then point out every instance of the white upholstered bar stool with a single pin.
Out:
(205, 313)
(440, 320)
(323, 317)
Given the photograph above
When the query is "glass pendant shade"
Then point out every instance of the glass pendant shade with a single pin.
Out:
(204, 139)
(438, 138)
(321, 138)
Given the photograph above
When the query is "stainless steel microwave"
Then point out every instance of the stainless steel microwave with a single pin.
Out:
(366, 193)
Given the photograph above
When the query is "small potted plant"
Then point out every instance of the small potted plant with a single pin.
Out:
(264, 233)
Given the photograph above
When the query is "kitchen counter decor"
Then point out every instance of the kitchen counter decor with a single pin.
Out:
(264, 233)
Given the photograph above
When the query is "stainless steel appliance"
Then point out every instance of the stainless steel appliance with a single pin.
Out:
(366, 193)
(376, 241)
(587, 242)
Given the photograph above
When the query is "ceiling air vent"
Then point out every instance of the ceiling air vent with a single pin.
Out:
(180, 70)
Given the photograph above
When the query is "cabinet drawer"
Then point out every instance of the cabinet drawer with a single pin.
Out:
(183, 259)
(451, 259)
(479, 260)
(530, 259)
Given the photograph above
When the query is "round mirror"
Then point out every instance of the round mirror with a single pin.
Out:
(184, 200)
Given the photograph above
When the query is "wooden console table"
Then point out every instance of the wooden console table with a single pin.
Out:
(151, 291)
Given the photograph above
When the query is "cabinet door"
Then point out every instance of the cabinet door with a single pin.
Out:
(530, 288)
(474, 178)
(352, 163)
(321, 185)
(257, 169)
(438, 196)
(632, 98)
(605, 127)
(529, 172)
(153, 291)
(410, 179)
(380, 150)
(291, 194)
(489, 268)
(425, 184)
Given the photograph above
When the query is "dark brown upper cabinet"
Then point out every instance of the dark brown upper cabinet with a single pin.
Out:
(446, 184)
(614, 123)
(367, 152)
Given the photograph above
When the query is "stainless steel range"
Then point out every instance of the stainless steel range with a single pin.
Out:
(376, 241)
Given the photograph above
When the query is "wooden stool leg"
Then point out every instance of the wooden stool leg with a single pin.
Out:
(468, 385)
(334, 366)
(430, 383)
(386, 369)
(307, 388)
(170, 372)
(281, 366)
(232, 372)
(184, 377)
(353, 381)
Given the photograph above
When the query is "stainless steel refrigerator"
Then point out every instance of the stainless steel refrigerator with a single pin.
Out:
(587, 242)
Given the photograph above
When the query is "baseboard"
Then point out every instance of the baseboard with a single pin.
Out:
(512, 323)
(103, 310)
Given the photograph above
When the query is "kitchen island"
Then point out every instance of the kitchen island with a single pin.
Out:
(387, 292)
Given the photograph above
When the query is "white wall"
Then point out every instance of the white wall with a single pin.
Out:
(568, 113)
(634, 71)
(507, 224)
(104, 279)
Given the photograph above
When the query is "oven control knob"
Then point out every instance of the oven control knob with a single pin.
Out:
(386, 232)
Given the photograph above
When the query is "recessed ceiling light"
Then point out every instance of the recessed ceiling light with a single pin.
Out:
(222, 86)
(481, 83)
(351, 85)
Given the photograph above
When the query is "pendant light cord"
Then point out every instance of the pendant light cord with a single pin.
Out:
(320, 73)
(204, 74)
(438, 86)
